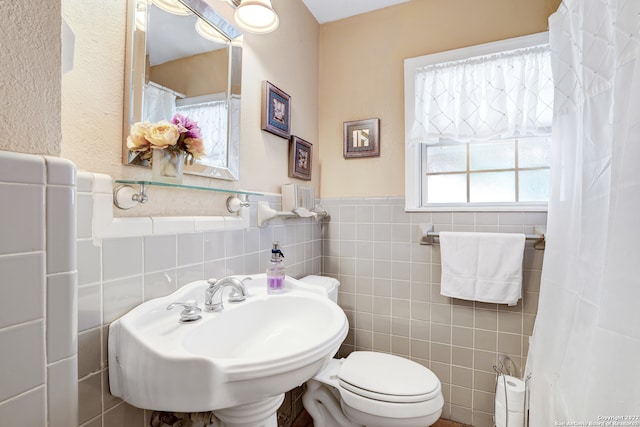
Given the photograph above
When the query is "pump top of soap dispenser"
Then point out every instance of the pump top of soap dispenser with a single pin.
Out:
(276, 253)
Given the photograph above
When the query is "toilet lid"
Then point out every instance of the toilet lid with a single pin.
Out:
(387, 377)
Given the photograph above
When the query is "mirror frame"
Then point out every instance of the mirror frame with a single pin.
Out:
(133, 105)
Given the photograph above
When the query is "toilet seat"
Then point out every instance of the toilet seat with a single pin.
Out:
(382, 384)
(387, 378)
(391, 398)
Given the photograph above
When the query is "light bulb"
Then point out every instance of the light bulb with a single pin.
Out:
(256, 16)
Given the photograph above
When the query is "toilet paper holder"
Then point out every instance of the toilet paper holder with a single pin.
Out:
(506, 366)
(511, 408)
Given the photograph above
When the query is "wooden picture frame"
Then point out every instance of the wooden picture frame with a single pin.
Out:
(300, 157)
(361, 138)
(276, 110)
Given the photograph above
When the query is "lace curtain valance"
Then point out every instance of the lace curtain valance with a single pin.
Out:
(486, 97)
(213, 117)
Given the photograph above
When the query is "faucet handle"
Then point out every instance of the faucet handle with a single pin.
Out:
(238, 296)
(190, 313)
(212, 281)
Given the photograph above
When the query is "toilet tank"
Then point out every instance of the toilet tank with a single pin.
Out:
(329, 283)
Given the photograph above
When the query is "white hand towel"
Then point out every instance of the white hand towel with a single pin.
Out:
(484, 267)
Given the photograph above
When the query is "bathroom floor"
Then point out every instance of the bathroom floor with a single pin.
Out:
(304, 420)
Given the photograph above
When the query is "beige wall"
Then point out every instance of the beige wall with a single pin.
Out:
(30, 77)
(92, 93)
(345, 70)
(288, 58)
(182, 74)
(92, 99)
(361, 76)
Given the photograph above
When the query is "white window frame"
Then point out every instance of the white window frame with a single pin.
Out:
(413, 156)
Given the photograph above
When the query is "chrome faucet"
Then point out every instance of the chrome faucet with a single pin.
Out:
(213, 294)
(190, 313)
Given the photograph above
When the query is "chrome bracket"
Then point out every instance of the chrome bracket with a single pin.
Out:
(125, 196)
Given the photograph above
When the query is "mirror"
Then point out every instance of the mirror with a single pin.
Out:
(182, 57)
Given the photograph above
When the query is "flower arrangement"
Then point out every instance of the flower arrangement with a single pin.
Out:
(181, 135)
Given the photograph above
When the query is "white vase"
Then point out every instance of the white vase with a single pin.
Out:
(167, 166)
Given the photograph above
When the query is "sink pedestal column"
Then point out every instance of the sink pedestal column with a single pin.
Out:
(256, 414)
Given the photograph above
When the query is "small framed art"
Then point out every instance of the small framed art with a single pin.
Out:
(300, 158)
(361, 138)
(276, 110)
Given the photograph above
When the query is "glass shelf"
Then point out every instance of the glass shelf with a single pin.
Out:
(187, 187)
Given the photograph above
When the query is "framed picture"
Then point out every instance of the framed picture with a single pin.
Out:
(276, 111)
(361, 138)
(300, 158)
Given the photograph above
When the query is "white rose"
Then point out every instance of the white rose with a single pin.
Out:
(162, 134)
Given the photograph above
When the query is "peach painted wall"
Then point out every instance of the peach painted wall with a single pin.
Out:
(345, 70)
(30, 77)
(181, 74)
(361, 76)
(92, 103)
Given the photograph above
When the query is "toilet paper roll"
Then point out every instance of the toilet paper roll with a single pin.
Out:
(514, 418)
(513, 400)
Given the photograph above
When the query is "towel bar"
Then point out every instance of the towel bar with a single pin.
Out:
(429, 238)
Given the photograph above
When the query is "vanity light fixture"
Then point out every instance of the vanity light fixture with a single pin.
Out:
(256, 16)
(208, 32)
(172, 6)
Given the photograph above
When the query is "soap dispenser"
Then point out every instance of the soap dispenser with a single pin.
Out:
(275, 272)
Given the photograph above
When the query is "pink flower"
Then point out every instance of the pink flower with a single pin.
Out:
(186, 126)
(195, 146)
(183, 135)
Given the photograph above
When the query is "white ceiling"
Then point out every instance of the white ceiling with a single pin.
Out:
(171, 37)
(332, 10)
(163, 44)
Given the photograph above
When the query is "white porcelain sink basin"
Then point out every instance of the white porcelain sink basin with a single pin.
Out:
(250, 351)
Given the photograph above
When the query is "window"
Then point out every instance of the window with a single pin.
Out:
(505, 171)
(478, 124)
(211, 112)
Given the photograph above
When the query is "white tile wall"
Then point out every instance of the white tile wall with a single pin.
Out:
(120, 296)
(22, 290)
(390, 287)
(61, 229)
(62, 383)
(159, 253)
(160, 284)
(390, 291)
(23, 362)
(26, 410)
(89, 306)
(190, 249)
(38, 302)
(23, 224)
(121, 257)
(61, 300)
(20, 168)
(117, 273)
(89, 261)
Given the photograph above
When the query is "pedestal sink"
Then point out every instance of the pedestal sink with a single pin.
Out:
(237, 362)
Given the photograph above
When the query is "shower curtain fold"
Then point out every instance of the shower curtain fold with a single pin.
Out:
(586, 340)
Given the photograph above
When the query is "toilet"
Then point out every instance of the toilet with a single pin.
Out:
(371, 389)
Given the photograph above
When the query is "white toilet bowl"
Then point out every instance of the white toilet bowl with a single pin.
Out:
(372, 389)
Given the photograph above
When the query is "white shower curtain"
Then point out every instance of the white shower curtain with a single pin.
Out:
(159, 104)
(585, 350)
